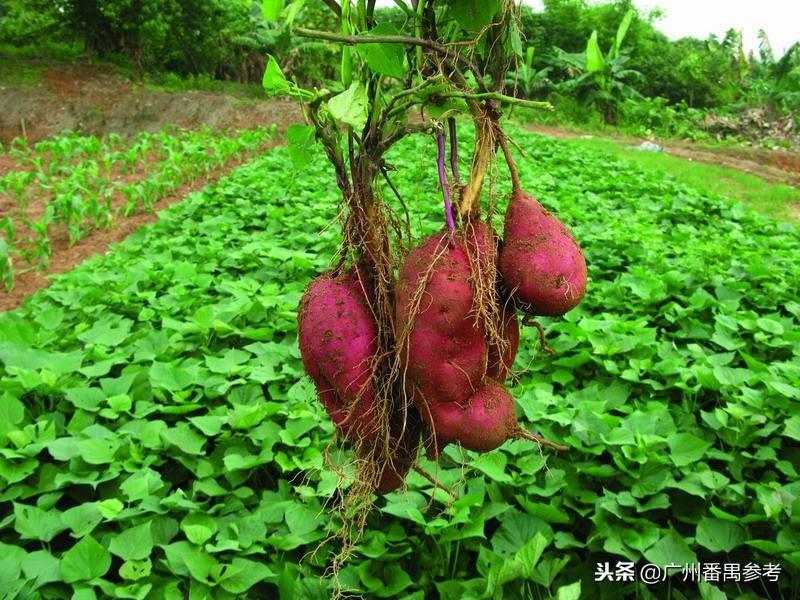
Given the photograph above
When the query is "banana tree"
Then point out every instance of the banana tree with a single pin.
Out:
(527, 80)
(601, 80)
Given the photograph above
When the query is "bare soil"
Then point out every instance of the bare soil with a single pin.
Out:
(94, 100)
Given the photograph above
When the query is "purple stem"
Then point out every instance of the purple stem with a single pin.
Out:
(451, 125)
(448, 207)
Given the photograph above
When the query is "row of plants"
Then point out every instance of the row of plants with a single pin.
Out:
(159, 438)
(77, 184)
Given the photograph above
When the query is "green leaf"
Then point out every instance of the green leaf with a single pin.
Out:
(718, 535)
(710, 592)
(86, 398)
(516, 529)
(98, 451)
(791, 428)
(139, 485)
(351, 106)
(474, 16)
(228, 362)
(770, 325)
(686, 448)
(170, 377)
(41, 566)
(85, 561)
(569, 592)
(671, 548)
(210, 425)
(622, 30)
(271, 9)
(274, 82)
(384, 58)
(494, 465)
(110, 508)
(199, 528)
(247, 574)
(133, 570)
(33, 523)
(184, 438)
(134, 543)
(82, 519)
(300, 142)
(594, 57)
(12, 412)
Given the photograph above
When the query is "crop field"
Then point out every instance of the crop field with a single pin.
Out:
(61, 189)
(159, 438)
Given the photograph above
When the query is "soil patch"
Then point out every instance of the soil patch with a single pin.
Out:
(94, 100)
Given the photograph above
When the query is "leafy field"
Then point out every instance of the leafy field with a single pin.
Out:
(71, 185)
(158, 435)
(775, 199)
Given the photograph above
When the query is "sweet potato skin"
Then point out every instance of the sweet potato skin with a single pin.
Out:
(500, 360)
(445, 354)
(337, 335)
(482, 423)
(541, 263)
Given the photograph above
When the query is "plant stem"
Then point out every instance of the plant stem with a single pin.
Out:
(448, 208)
(352, 40)
(427, 476)
(451, 126)
(484, 149)
(500, 98)
(512, 167)
(337, 10)
(535, 437)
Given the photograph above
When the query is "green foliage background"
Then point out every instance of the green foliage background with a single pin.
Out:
(228, 40)
(158, 436)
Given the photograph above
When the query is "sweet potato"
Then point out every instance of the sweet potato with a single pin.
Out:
(482, 423)
(500, 360)
(338, 343)
(540, 262)
(445, 354)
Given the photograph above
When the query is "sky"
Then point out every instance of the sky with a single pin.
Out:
(699, 18)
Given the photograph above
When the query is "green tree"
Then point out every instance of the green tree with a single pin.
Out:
(601, 80)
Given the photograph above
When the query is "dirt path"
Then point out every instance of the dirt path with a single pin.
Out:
(774, 166)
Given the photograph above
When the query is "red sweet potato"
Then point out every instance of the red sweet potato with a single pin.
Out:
(445, 354)
(540, 262)
(498, 366)
(338, 342)
(482, 423)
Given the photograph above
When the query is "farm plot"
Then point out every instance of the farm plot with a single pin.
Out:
(158, 435)
(60, 190)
